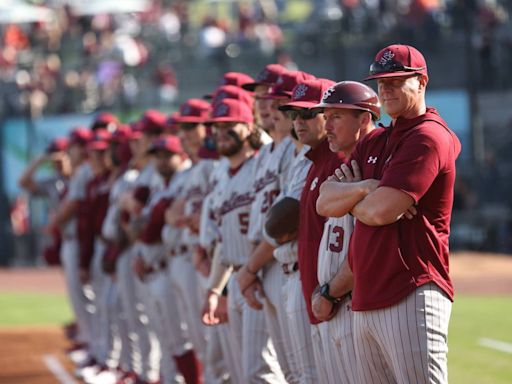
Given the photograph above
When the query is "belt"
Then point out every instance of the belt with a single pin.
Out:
(162, 264)
(290, 268)
(179, 251)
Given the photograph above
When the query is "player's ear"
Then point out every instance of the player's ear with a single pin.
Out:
(423, 80)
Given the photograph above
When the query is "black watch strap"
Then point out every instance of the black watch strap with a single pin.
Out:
(324, 292)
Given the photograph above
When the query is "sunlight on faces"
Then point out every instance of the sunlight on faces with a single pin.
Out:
(227, 144)
(282, 123)
(400, 96)
(167, 162)
(343, 127)
(262, 107)
(311, 131)
(98, 160)
(192, 136)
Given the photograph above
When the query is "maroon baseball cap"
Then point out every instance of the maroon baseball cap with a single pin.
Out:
(100, 140)
(169, 143)
(397, 60)
(57, 145)
(238, 79)
(231, 110)
(105, 120)
(122, 134)
(171, 124)
(152, 121)
(283, 89)
(80, 135)
(193, 111)
(268, 76)
(308, 93)
(232, 92)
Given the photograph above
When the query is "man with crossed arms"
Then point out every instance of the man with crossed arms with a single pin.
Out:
(402, 291)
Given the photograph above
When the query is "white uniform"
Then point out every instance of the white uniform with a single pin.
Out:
(297, 321)
(70, 258)
(249, 332)
(335, 337)
(272, 169)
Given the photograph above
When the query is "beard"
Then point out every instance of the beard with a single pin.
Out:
(233, 148)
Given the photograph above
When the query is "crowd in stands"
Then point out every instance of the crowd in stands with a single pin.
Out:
(85, 63)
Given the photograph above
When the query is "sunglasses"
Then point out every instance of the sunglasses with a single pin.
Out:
(390, 67)
(188, 126)
(304, 114)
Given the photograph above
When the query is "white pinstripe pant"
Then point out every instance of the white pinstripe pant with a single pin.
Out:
(407, 342)
(251, 340)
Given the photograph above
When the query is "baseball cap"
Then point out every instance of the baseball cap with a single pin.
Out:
(169, 143)
(80, 136)
(232, 92)
(122, 134)
(397, 60)
(237, 79)
(268, 76)
(99, 141)
(283, 88)
(57, 145)
(231, 110)
(193, 111)
(105, 120)
(152, 121)
(171, 124)
(307, 94)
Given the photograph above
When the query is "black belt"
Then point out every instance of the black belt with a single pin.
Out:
(179, 251)
(289, 268)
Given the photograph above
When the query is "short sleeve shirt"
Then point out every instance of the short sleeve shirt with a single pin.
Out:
(416, 156)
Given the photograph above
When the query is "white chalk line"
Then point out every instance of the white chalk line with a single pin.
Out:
(55, 367)
(496, 344)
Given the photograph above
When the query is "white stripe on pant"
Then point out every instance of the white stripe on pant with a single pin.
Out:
(407, 342)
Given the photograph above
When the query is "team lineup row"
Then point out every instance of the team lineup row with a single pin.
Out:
(272, 234)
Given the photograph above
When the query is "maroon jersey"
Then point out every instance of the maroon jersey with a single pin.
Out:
(311, 223)
(151, 234)
(91, 213)
(416, 156)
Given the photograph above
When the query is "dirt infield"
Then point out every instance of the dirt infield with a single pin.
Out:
(23, 350)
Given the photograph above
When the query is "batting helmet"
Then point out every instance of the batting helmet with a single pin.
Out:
(351, 95)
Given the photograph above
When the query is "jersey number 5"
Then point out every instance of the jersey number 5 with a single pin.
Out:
(243, 219)
(335, 243)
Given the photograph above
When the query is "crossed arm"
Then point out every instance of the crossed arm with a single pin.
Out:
(346, 192)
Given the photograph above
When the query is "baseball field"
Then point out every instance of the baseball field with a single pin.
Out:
(33, 307)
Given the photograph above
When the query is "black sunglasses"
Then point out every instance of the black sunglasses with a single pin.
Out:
(304, 114)
(188, 126)
(391, 66)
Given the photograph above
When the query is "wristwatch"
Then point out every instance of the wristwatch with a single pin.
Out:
(324, 292)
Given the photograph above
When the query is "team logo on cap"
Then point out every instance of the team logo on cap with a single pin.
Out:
(186, 110)
(300, 91)
(220, 96)
(263, 75)
(222, 110)
(328, 94)
(280, 80)
(386, 56)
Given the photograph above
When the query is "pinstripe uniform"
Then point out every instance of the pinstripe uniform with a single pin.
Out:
(272, 169)
(250, 337)
(297, 323)
(70, 255)
(336, 336)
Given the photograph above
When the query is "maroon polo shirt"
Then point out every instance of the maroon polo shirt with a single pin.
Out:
(416, 156)
(311, 223)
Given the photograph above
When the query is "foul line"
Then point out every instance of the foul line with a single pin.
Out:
(58, 370)
(496, 344)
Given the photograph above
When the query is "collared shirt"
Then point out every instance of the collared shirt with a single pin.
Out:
(416, 156)
(324, 162)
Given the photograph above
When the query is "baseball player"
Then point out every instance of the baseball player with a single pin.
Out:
(349, 108)
(272, 169)
(53, 188)
(232, 123)
(402, 291)
(65, 219)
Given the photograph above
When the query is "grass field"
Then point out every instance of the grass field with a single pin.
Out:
(473, 318)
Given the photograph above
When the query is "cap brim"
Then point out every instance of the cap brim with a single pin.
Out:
(273, 96)
(393, 74)
(297, 104)
(208, 96)
(189, 119)
(226, 119)
(97, 146)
